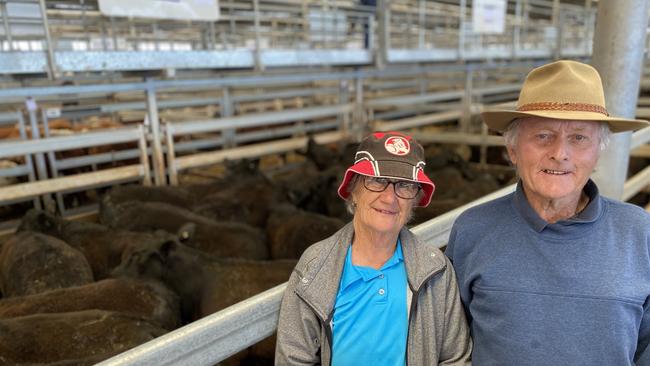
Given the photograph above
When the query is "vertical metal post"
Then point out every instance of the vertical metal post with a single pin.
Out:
(113, 33)
(156, 145)
(516, 30)
(526, 13)
(144, 157)
(466, 113)
(213, 36)
(344, 98)
(422, 21)
(227, 110)
(84, 23)
(171, 155)
(461, 30)
(5, 21)
(258, 52)
(41, 168)
(384, 33)
(51, 159)
(154, 30)
(619, 41)
(557, 47)
(588, 27)
(360, 120)
(102, 32)
(28, 158)
(52, 73)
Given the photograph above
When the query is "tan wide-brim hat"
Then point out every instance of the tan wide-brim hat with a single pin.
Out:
(564, 89)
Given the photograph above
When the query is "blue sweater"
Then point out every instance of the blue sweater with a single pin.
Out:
(571, 293)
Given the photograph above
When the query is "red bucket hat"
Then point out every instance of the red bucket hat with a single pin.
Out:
(390, 155)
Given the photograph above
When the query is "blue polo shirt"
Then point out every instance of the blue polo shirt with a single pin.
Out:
(370, 322)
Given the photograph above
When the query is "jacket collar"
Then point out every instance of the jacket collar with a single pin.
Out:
(322, 272)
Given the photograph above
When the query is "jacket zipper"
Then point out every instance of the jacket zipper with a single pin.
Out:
(325, 324)
(414, 300)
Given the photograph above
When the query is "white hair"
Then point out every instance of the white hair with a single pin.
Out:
(511, 133)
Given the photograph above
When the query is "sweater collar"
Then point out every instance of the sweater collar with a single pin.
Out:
(589, 214)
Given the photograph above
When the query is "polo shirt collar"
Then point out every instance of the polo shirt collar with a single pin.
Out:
(352, 273)
(589, 214)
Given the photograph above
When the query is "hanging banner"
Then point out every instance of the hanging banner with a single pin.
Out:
(488, 16)
(206, 10)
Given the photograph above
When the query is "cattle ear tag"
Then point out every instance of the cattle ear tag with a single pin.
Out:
(186, 232)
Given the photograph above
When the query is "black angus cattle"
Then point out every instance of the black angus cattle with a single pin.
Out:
(31, 263)
(74, 338)
(149, 301)
(102, 246)
(224, 239)
(206, 283)
(290, 230)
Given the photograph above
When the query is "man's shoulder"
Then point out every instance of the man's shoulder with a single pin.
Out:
(626, 213)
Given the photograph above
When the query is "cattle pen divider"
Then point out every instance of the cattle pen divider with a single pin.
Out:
(224, 125)
(32, 189)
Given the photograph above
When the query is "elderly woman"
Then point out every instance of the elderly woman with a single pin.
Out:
(373, 294)
(555, 274)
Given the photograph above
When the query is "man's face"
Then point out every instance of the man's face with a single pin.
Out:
(555, 158)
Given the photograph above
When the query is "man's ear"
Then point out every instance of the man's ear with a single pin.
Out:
(512, 155)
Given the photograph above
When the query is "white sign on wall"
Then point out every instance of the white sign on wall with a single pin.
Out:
(488, 16)
(206, 10)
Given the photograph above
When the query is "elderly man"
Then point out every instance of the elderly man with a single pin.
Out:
(555, 274)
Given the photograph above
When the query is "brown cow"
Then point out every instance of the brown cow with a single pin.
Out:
(224, 239)
(102, 246)
(82, 335)
(207, 284)
(31, 263)
(146, 300)
(290, 231)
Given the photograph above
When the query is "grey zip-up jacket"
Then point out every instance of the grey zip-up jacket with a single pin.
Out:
(437, 330)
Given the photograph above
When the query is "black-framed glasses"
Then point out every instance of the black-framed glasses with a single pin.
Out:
(403, 188)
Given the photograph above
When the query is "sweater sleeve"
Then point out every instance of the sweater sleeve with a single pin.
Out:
(299, 330)
(453, 252)
(457, 344)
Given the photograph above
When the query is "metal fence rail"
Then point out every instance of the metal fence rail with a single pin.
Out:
(45, 185)
(75, 36)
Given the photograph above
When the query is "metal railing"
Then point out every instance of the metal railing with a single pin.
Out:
(58, 36)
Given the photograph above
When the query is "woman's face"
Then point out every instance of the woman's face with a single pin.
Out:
(380, 212)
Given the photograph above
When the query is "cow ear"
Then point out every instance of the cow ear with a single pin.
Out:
(186, 232)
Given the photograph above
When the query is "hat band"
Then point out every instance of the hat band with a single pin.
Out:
(556, 106)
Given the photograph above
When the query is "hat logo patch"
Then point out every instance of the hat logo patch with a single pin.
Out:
(397, 145)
